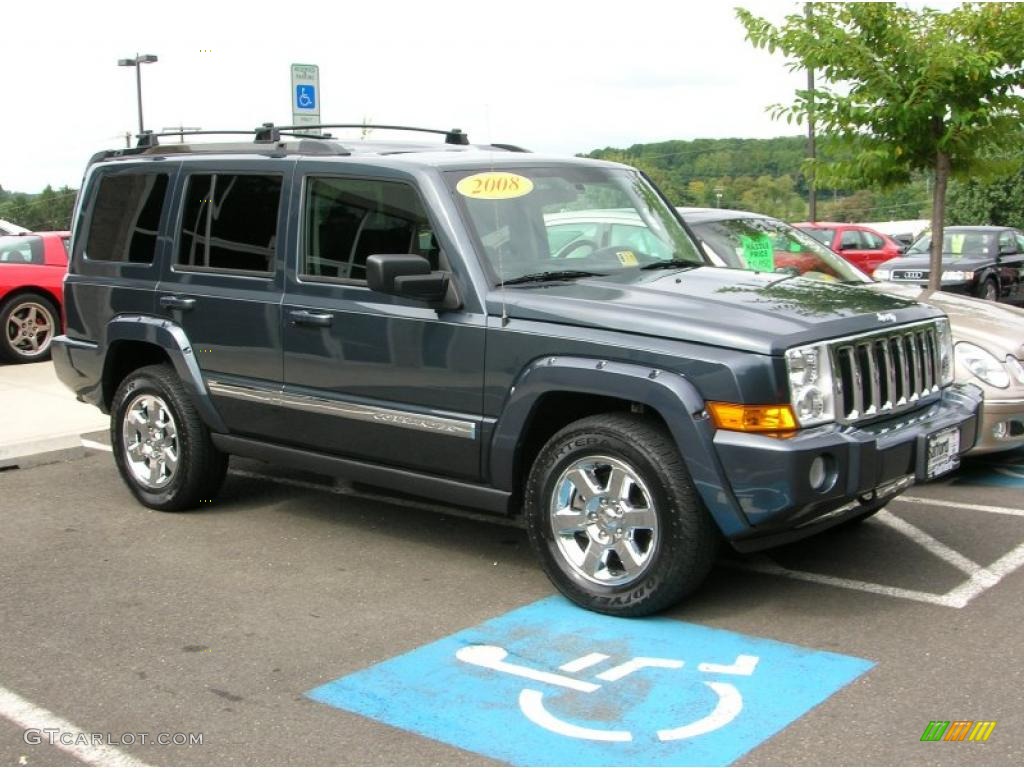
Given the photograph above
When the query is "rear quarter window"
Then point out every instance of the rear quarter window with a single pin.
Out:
(21, 250)
(125, 217)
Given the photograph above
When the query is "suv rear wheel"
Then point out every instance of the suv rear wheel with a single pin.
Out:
(614, 518)
(162, 448)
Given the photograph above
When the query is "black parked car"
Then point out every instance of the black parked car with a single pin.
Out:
(987, 262)
(400, 314)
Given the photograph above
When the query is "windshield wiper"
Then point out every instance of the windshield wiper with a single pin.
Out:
(673, 264)
(554, 275)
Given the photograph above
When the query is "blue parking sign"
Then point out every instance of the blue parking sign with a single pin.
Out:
(551, 684)
(305, 97)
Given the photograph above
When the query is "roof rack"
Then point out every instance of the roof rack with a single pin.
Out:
(454, 136)
(268, 133)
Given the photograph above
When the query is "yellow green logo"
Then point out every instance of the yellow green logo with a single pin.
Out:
(958, 730)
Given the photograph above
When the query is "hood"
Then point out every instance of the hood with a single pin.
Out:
(756, 312)
(997, 328)
(949, 261)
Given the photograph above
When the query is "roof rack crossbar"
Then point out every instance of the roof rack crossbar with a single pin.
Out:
(268, 132)
(453, 136)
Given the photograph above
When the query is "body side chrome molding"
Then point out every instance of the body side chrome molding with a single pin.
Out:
(345, 410)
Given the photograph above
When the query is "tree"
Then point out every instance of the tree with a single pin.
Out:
(999, 202)
(906, 90)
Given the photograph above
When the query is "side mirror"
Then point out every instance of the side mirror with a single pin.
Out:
(406, 275)
(1006, 248)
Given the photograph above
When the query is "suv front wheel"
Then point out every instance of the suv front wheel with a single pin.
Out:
(162, 448)
(614, 518)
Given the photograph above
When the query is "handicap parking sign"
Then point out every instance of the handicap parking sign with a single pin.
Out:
(553, 684)
(305, 97)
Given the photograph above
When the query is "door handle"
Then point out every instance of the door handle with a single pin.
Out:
(176, 302)
(305, 317)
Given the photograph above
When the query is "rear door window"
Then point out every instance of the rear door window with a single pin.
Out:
(230, 223)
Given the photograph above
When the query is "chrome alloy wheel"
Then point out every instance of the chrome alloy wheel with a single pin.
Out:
(150, 441)
(30, 329)
(604, 520)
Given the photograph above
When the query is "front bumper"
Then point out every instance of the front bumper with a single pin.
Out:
(1000, 426)
(771, 477)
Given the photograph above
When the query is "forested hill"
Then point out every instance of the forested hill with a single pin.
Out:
(707, 159)
(763, 175)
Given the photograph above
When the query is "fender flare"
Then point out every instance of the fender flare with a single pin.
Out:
(672, 395)
(171, 338)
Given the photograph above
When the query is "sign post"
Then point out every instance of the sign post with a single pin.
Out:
(305, 96)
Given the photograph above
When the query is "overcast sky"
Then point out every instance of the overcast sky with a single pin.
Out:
(560, 76)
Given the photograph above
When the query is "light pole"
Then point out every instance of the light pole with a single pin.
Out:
(137, 62)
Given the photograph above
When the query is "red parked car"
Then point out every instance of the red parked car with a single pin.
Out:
(32, 269)
(861, 246)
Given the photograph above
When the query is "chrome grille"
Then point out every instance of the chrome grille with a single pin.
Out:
(910, 274)
(885, 373)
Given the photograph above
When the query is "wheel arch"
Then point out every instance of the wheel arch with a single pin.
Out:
(553, 392)
(47, 293)
(136, 341)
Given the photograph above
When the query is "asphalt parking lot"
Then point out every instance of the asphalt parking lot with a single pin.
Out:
(226, 622)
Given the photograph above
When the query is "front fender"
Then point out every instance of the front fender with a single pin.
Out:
(670, 394)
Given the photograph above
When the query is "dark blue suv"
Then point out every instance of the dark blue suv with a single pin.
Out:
(407, 315)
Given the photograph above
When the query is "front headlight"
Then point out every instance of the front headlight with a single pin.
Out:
(1015, 368)
(957, 276)
(810, 384)
(882, 274)
(982, 364)
(945, 353)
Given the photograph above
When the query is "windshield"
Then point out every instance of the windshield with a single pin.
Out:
(770, 245)
(570, 220)
(823, 236)
(957, 244)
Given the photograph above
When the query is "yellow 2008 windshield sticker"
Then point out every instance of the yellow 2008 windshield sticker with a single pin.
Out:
(627, 258)
(494, 185)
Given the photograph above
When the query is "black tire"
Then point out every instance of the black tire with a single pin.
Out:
(24, 308)
(678, 552)
(200, 468)
(988, 290)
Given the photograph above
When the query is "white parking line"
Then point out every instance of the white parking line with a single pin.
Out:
(930, 543)
(960, 505)
(763, 564)
(27, 715)
(980, 578)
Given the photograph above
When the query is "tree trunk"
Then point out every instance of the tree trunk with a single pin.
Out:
(938, 215)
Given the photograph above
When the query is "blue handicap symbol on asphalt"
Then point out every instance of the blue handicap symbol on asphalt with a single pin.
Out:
(305, 97)
(552, 684)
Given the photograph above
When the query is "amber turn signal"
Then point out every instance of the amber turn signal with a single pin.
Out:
(753, 418)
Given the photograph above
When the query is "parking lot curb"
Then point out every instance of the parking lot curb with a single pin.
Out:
(47, 450)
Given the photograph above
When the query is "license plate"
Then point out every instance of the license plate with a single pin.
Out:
(943, 452)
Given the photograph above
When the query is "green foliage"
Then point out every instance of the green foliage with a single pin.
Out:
(49, 210)
(763, 175)
(906, 90)
(999, 202)
(902, 85)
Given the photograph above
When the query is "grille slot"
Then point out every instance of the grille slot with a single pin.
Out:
(885, 373)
